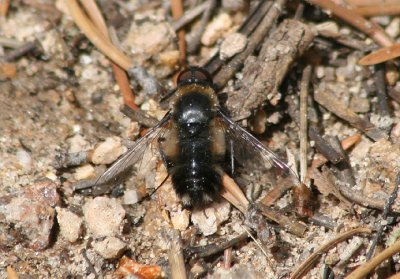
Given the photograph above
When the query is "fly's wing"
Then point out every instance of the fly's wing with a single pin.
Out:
(134, 155)
(251, 153)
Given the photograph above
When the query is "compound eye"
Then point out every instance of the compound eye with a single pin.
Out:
(193, 75)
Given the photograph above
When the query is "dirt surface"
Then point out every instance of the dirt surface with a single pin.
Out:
(61, 98)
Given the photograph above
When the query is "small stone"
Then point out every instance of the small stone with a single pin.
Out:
(110, 247)
(32, 213)
(210, 218)
(130, 197)
(108, 151)
(70, 224)
(233, 44)
(393, 29)
(103, 216)
(169, 58)
(180, 220)
(215, 29)
(77, 144)
(24, 159)
(84, 172)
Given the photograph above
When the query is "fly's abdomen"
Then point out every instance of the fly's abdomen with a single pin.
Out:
(195, 175)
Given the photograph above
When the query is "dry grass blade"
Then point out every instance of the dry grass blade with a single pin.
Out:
(381, 55)
(175, 256)
(232, 193)
(378, 10)
(177, 12)
(350, 16)
(310, 261)
(4, 6)
(368, 267)
(97, 38)
(303, 121)
(120, 75)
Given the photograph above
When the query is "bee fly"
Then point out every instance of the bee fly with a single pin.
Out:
(196, 139)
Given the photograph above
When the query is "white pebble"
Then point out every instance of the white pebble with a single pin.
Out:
(130, 197)
(210, 218)
(108, 151)
(215, 29)
(25, 159)
(180, 220)
(233, 44)
(84, 172)
(103, 216)
(70, 224)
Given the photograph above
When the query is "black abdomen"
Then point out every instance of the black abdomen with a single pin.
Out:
(194, 167)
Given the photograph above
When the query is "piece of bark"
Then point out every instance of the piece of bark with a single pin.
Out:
(263, 75)
(328, 100)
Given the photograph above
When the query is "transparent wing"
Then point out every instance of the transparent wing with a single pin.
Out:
(251, 153)
(134, 155)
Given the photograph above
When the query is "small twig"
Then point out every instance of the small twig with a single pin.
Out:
(285, 222)
(254, 41)
(324, 147)
(345, 172)
(232, 193)
(328, 101)
(362, 200)
(4, 6)
(381, 55)
(212, 249)
(310, 261)
(175, 256)
(140, 116)
(189, 16)
(177, 12)
(371, 2)
(259, 246)
(194, 42)
(369, 266)
(381, 90)
(120, 75)
(345, 40)
(10, 43)
(378, 10)
(277, 191)
(247, 27)
(305, 81)
(21, 51)
(97, 38)
(368, 27)
(228, 258)
(383, 224)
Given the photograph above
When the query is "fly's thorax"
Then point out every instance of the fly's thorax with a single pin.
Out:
(207, 91)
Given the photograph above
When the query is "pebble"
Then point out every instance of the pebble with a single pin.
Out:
(24, 159)
(110, 247)
(108, 151)
(77, 144)
(216, 29)
(70, 224)
(86, 171)
(180, 220)
(32, 213)
(130, 197)
(209, 219)
(393, 29)
(103, 216)
(233, 44)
